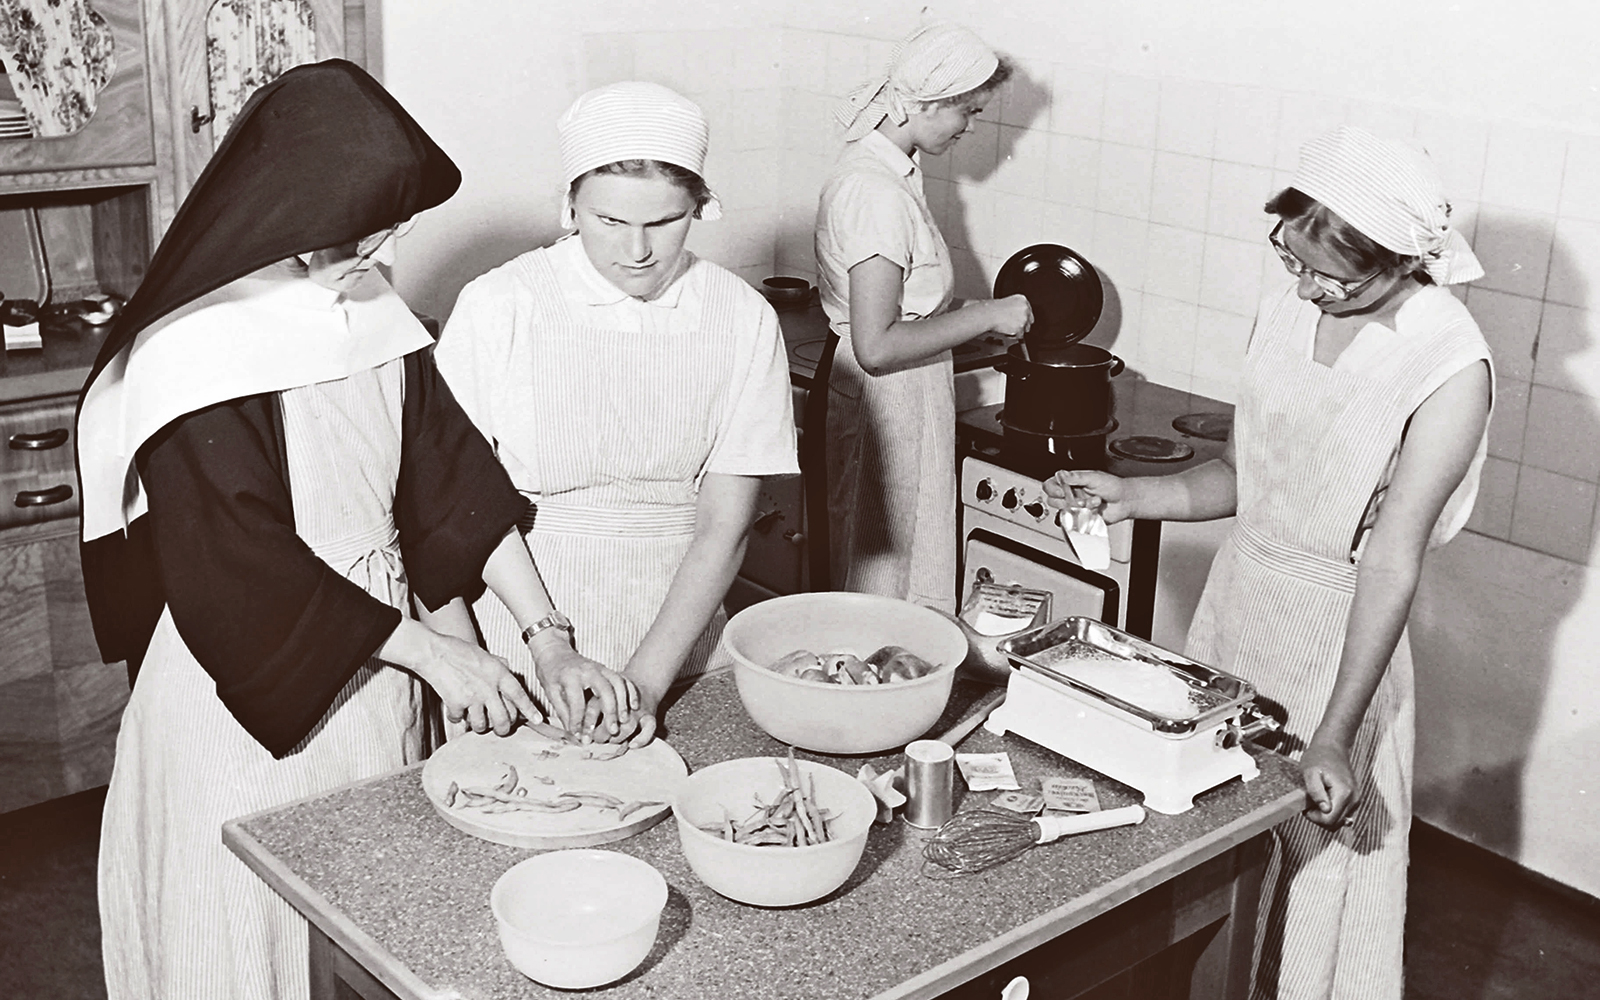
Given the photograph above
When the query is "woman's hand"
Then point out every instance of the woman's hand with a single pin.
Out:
(1078, 488)
(1011, 316)
(588, 698)
(1330, 784)
(643, 726)
(475, 685)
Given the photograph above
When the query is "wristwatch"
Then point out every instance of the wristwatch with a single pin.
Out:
(554, 619)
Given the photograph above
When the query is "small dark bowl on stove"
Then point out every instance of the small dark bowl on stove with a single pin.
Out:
(786, 293)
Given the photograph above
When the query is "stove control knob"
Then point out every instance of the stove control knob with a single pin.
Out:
(1036, 508)
(984, 490)
(1010, 500)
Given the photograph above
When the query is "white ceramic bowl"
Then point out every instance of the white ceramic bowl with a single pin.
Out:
(579, 918)
(771, 876)
(833, 718)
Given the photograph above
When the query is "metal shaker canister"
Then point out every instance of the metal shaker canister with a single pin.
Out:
(930, 783)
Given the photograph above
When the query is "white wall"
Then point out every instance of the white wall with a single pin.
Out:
(1147, 134)
(489, 78)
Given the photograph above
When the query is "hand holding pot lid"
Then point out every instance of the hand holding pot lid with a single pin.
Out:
(1060, 285)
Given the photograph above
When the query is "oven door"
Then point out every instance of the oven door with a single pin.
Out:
(988, 557)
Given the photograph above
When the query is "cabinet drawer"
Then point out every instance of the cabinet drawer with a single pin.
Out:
(38, 478)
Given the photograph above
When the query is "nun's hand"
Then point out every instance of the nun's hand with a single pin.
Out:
(475, 686)
(1330, 785)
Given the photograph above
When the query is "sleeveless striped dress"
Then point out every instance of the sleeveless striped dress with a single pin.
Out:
(181, 916)
(1315, 446)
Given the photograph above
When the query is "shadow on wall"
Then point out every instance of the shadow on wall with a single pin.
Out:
(1026, 100)
(1489, 638)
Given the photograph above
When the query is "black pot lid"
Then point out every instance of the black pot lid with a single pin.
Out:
(1150, 448)
(1061, 286)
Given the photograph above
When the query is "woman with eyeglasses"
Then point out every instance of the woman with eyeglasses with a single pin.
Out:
(277, 487)
(1357, 442)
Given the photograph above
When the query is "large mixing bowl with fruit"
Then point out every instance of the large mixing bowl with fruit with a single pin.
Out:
(843, 673)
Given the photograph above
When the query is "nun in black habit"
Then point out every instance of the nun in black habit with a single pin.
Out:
(272, 473)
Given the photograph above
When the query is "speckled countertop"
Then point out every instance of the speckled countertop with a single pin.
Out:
(408, 895)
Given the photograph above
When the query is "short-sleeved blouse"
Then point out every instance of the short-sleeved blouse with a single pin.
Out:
(498, 317)
(873, 205)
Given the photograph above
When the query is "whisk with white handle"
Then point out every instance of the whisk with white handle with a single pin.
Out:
(978, 839)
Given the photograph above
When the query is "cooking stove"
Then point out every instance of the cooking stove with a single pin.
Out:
(1003, 506)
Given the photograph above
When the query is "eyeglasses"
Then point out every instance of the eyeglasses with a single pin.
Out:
(1337, 288)
(369, 245)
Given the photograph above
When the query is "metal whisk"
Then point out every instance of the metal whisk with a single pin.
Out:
(978, 839)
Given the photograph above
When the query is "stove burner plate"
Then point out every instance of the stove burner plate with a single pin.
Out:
(1211, 426)
(1029, 432)
(1149, 448)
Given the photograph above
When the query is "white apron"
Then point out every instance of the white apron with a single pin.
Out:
(181, 916)
(1313, 442)
(621, 438)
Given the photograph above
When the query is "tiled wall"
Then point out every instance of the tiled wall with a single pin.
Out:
(1161, 182)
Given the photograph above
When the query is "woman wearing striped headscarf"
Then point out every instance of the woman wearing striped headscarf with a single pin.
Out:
(1357, 444)
(886, 281)
(635, 393)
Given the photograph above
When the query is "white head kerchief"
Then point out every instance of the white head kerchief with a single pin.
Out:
(632, 120)
(1392, 194)
(934, 62)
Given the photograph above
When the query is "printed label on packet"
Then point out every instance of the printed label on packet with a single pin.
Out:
(986, 772)
(1022, 802)
(1069, 795)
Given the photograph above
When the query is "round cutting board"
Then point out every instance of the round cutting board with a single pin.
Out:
(545, 768)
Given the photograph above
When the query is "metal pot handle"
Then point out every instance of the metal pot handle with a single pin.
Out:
(1116, 367)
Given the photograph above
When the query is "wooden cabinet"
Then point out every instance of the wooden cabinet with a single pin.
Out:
(59, 705)
(102, 198)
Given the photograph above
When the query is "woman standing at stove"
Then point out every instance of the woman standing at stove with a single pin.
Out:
(886, 280)
(1357, 444)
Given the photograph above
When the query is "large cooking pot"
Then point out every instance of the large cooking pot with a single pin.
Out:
(1063, 390)
(1055, 385)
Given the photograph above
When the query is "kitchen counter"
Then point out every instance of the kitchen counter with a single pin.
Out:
(58, 368)
(398, 899)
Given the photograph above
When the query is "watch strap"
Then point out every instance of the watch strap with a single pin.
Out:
(554, 619)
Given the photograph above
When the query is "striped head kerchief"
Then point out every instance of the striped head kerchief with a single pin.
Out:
(633, 120)
(1392, 194)
(934, 62)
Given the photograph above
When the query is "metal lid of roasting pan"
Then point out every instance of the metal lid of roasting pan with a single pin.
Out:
(1062, 650)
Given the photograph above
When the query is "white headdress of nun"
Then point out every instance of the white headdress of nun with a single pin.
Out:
(934, 62)
(632, 120)
(1392, 194)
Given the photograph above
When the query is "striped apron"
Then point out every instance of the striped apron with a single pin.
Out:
(181, 916)
(1314, 444)
(891, 461)
(619, 426)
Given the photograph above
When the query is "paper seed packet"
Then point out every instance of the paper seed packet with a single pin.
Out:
(987, 772)
(1069, 795)
(1018, 802)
